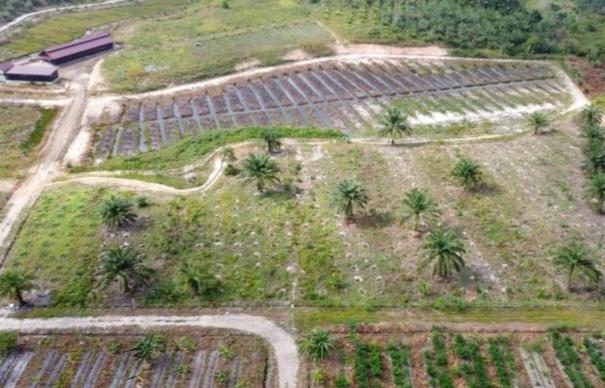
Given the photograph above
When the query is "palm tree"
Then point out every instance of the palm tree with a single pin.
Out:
(395, 124)
(418, 204)
(593, 132)
(117, 212)
(124, 265)
(537, 121)
(594, 152)
(445, 248)
(349, 194)
(596, 190)
(271, 138)
(14, 282)
(576, 255)
(467, 173)
(198, 280)
(316, 345)
(261, 169)
(149, 347)
(591, 116)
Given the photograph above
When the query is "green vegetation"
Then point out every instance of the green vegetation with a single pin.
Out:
(21, 129)
(574, 256)
(436, 363)
(395, 124)
(261, 170)
(538, 121)
(400, 361)
(570, 359)
(124, 265)
(368, 364)
(10, 9)
(117, 212)
(271, 139)
(8, 341)
(348, 195)
(473, 367)
(445, 249)
(595, 353)
(149, 348)
(14, 282)
(467, 173)
(316, 345)
(420, 206)
(502, 359)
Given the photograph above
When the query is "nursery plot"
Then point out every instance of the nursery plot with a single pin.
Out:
(186, 359)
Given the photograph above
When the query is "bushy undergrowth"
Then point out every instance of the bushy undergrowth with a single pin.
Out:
(368, 363)
(436, 362)
(400, 361)
(502, 360)
(570, 359)
(597, 358)
(473, 367)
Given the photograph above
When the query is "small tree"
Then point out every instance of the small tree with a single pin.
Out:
(591, 116)
(349, 194)
(594, 152)
(596, 191)
(271, 139)
(574, 256)
(395, 124)
(8, 341)
(467, 173)
(538, 121)
(126, 266)
(200, 281)
(260, 169)
(445, 249)
(316, 345)
(117, 212)
(419, 205)
(14, 282)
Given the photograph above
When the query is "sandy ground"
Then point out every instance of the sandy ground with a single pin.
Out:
(283, 344)
(377, 49)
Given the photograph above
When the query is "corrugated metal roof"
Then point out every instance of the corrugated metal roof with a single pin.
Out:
(4, 66)
(80, 45)
(41, 69)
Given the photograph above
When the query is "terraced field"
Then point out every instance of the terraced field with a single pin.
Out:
(108, 361)
(368, 356)
(346, 94)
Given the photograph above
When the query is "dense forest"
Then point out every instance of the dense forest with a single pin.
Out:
(505, 26)
(10, 9)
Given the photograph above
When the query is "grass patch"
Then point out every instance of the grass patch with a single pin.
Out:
(47, 115)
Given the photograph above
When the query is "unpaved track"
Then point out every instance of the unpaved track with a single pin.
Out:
(283, 344)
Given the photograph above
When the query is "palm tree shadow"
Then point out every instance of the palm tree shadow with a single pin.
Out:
(374, 219)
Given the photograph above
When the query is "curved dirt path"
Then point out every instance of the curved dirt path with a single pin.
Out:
(5, 27)
(283, 344)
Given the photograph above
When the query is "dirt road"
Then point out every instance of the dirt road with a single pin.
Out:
(283, 344)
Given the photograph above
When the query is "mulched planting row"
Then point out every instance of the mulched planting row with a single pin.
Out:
(344, 95)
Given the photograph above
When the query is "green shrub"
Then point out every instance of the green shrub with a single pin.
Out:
(8, 341)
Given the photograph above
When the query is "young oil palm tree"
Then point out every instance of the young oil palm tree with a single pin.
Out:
(260, 169)
(591, 116)
(117, 212)
(124, 265)
(467, 173)
(445, 249)
(316, 345)
(347, 195)
(14, 282)
(271, 138)
(149, 347)
(574, 256)
(594, 152)
(419, 205)
(596, 191)
(538, 121)
(395, 124)
(200, 281)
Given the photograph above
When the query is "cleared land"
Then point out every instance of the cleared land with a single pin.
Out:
(200, 358)
(350, 95)
(260, 246)
(397, 356)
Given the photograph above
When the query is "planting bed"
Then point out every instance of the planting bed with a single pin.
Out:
(345, 94)
(397, 356)
(207, 358)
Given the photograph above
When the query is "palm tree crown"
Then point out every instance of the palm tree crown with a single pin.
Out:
(316, 345)
(14, 282)
(576, 255)
(261, 169)
(125, 265)
(149, 347)
(596, 190)
(445, 248)
(349, 194)
(537, 121)
(467, 172)
(395, 123)
(117, 212)
(418, 204)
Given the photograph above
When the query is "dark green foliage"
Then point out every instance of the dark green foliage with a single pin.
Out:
(14, 282)
(445, 250)
(436, 362)
(47, 115)
(261, 170)
(473, 365)
(400, 361)
(124, 265)
(8, 341)
(271, 139)
(368, 363)
(199, 280)
(117, 212)
(149, 347)
(231, 170)
(597, 358)
(570, 359)
(467, 173)
(341, 381)
(316, 345)
(501, 358)
(349, 194)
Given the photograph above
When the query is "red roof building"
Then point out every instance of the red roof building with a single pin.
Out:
(32, 72)
(77, 49)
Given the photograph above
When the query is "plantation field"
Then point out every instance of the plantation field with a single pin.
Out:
(22, 128)
(293, 247)
(347, 94)
(396, 356)
(202, 358)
